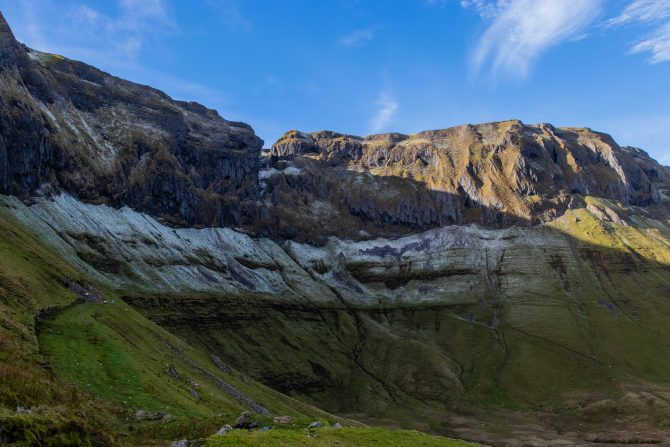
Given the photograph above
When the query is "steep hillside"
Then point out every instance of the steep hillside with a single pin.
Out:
(78, 363)
(67, 126)
(490, 335)
(80, 367)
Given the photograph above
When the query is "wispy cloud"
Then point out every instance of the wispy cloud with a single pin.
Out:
(79, 30)
(643, 11)
(229, 11)
(387, 106)
(521, 30)
(115, 40)
(488, 9)
(649, 13)
(358, 37)
(658, 44)
(137, 23)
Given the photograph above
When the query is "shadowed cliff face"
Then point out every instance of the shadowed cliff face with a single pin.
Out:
(494, 174)
(68, 126)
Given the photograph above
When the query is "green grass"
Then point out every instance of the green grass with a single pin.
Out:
(108, 360)
(114, 352)
(328, 437)
(32, 278)
(582, 321)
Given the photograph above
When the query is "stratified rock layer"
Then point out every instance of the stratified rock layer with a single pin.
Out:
(65, 125)
(446, 330)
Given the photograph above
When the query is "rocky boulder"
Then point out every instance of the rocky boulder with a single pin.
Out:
(244, 422)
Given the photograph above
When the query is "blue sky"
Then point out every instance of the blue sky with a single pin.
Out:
(367, 66)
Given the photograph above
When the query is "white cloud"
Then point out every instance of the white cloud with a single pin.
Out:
(137, 10)
(113, 41)
(122, 36)
(77, 27)
(658, 44)
(521, 30)
(357, 37)
(488, 9)
(654, 13)
(86, 14)
(229, 12)
(485, 8)
(643, 11)
(387, 106)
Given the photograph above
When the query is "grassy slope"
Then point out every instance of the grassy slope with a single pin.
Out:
(32, 278)
(105, 361)
(116, 359)
(585, 344)
(113, 352)
(605, 332)
(350, 437)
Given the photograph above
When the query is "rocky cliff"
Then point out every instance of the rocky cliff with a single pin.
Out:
(66, 126)
(69, 127)
(494, 174)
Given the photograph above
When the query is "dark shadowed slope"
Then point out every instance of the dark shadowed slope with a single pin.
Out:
(68, 126)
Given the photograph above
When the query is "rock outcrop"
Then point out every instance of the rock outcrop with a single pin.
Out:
(494, 174)
(66, 126)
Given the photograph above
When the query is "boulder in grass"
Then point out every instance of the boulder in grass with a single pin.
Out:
(315, 424)
(283, 419)
(225, 429)
(244, 422)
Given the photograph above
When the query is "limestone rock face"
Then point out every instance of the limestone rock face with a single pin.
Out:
(494, 174)
(67, 126)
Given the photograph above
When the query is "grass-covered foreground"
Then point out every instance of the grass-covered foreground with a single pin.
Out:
(78, 377)
(347, 437)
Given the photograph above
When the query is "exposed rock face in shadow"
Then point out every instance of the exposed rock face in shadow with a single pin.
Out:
(68, 126)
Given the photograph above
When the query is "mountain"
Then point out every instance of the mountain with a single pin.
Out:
(502, 283)
(495, 174)
(70, 127)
